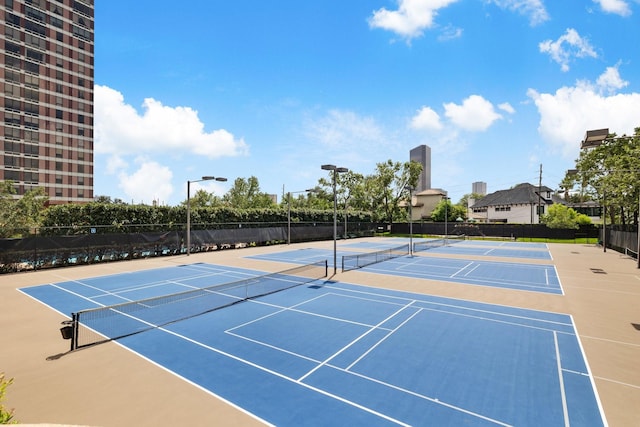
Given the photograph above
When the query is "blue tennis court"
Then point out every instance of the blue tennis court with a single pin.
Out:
(528, 277)
(496, 249)
(330, 353)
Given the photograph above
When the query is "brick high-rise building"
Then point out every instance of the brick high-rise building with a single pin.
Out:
(46, 107)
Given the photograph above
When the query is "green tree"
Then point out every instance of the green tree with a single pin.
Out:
(464, 200)
(203, 199)
(608, 173)
(561, 216)
(451, 211)
(246, 194)
(348, 186)
(18, 216)
(388, 185)
(108, 200)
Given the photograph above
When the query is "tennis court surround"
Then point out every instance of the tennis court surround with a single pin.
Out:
(600, 305)
(332, 353)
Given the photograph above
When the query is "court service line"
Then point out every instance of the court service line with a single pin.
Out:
(547, 279)
(565, 410)
(488, 319)
(78, 295)
(265, 369)
(297, 310)
(279, 375)
(353, 342)
(281, 309)
(389, 333)
(421, 396)
(463, 268)
(271, 346)
(452, 306)
(491, 282)
(472, 270)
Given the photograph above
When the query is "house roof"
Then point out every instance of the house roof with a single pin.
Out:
(521, 194)
(432, 192)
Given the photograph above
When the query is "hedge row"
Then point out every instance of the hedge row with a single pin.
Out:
(110, 218)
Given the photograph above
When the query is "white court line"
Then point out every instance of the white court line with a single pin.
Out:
(617, 382)
(452, 306)
(460, 270)
(421, 396)
(492, 282)
(352, 343)
(391, 332)
(279, 375)
(472, 270)
(297, 310)
(565, 410)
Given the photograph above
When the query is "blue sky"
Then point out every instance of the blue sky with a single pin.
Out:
(274, 89)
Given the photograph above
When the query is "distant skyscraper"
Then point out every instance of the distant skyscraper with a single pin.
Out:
(479, 188)
(46, 111)
(422, 155)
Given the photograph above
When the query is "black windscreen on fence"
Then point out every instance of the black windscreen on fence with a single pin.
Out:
(90, 247)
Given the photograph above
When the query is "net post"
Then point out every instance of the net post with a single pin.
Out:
(76, 327)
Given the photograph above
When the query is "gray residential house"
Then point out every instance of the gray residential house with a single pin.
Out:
(522, 204)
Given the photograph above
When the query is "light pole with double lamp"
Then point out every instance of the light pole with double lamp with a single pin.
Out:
(204, 178)
(446, 215)
(410, 189)
(336, 170)
(311, 190)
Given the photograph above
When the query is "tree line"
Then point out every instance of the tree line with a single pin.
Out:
(359, 198)
(609, 174)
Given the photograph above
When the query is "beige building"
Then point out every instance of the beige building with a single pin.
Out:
(424, 202)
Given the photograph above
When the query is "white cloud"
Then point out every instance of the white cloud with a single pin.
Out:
(121, 130)
(341, 128)
(533, 8)
(410, 19)
(475, 113)
(506, 107)
(610, 81)
(450, 33)
(426, 118)
(569, 45)
(115, 164)
(568, 113)
(617, 7)
(150, 182)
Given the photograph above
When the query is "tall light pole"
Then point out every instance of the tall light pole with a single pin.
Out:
(204, 178)
(311, 190)
(446, 214)
(410, 188)
(336, 170)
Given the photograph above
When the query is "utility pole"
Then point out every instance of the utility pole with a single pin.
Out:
(540, 194)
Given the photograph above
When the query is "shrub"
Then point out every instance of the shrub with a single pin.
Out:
(6, 416)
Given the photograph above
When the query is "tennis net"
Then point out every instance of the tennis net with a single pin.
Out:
(436, 243)
(351, 262)
(102, 324)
